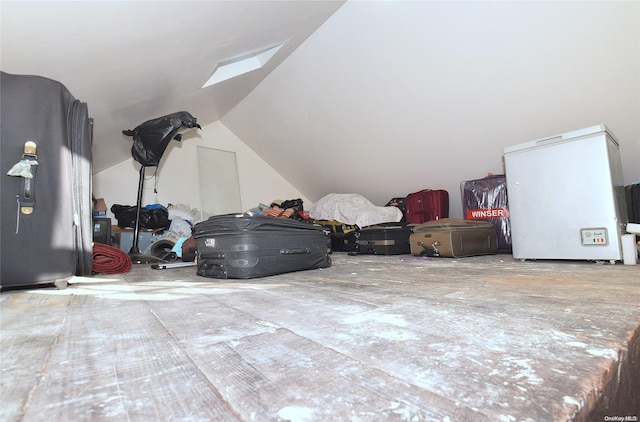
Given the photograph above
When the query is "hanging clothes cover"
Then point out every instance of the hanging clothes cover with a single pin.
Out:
(150, 139)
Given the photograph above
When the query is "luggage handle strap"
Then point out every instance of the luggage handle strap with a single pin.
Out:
(27, 198)
(429, 250)
(295, 251)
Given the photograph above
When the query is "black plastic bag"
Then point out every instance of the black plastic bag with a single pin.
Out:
(150, 218)
(295, 204)
(150, 139)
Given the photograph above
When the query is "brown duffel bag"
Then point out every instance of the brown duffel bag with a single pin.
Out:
(453, 238)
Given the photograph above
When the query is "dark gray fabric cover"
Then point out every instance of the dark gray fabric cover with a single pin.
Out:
(239, 246)
(54, 241)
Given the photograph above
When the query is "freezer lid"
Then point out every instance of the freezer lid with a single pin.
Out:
(591, 130)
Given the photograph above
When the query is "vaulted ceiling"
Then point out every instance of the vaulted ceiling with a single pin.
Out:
(380, 98)
(132, 61)
(389, 97)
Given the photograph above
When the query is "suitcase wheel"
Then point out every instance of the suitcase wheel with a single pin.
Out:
(431, 251)
(61, 284)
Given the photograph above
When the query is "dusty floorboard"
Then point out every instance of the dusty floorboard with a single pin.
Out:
(371, 338)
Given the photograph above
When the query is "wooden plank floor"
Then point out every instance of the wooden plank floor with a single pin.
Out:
(370, 338)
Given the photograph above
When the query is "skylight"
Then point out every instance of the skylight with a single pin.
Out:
(240, 65)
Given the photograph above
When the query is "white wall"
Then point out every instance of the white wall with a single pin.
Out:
(389, 97)
(177, 181)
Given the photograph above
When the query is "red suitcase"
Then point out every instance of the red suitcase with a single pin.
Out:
(427, 205)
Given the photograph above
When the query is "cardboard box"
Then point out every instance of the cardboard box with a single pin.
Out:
(100, 208)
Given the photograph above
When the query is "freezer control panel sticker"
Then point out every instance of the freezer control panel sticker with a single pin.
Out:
(594, 237)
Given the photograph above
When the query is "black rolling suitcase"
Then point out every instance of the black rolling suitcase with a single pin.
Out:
(241, 246)
(382, 239)
(46, 203)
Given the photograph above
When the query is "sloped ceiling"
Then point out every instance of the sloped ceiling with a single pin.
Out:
(387, 98)
(133, 61)
(380, 98)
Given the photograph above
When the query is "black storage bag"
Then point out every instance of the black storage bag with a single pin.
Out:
(151, 138)
(341, 235)
(150, 218)
(240, 246)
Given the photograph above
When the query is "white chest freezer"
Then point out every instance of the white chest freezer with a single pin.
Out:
(566, 196)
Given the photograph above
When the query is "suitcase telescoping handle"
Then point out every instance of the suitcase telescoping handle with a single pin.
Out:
(429, 250)
(26, 169)
(299, 251)
(28, 192)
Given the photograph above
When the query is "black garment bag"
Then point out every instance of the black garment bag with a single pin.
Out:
(151, 138)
